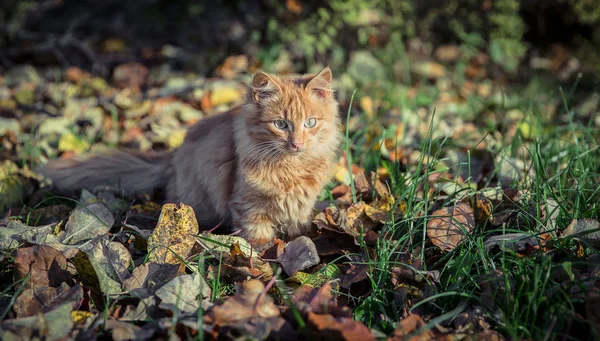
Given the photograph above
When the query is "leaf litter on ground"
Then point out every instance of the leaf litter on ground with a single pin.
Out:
(169, 271)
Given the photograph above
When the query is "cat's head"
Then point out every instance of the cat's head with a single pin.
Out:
(293, 116)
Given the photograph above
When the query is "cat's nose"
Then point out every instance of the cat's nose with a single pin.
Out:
(297, 145)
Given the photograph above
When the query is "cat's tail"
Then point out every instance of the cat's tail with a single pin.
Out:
(129, 171)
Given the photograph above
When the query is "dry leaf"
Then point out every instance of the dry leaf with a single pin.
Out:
(174, 236)
(342, 328)
(299, 254)
(37, 300)
(586, 230)
(86, 223)
(103, 265)
(274, 251)
(46, 266)
(250, 300)
(409, 325)
(449, 226)
(130, 75)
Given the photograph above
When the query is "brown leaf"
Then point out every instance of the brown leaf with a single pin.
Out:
(46, 265)
(299, 254)
(449, 226)
(318, 300)
(122, 331)
(356, 220)
(343, 328)
(330, 219)
(151, 276)
(379, 210)
(274, 251)
(76, 75)
(245, 304)
(409, 325)
(482, 208)
(174, 236)
(235, 251)
(294, 6)
(586, 230)
(356, 273)
(331, 243)
(592, 308)
(232, 66)
(37, 300)
(130, 75)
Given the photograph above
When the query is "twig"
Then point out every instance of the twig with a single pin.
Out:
(264, 292)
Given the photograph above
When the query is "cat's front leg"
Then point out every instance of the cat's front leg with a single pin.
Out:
(256, 227)
(302, 227)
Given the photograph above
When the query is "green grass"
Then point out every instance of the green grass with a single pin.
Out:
(523, 297)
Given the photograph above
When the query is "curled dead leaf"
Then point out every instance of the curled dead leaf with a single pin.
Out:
(249, 301)
(299, 254)
(408, 326)
(174, 236)
(45, 265)
(586, 230)
(338, 328)
(450, 225)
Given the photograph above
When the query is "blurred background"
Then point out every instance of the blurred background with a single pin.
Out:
(511, 38)
(76, 75)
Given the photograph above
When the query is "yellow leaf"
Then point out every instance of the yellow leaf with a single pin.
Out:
(80, 316)
(342, 175)
(176, 138)
(174, 236)
(224, 96)
(72, 143)
(235, 250)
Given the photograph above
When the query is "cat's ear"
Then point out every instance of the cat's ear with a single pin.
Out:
(264, 87)
(320, 84)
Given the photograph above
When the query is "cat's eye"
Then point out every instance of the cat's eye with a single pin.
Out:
(280, 124)
(310, 122)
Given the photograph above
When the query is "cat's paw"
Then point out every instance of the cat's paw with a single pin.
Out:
(261, 244)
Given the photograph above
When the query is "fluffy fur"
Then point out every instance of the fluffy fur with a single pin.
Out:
(258, 167)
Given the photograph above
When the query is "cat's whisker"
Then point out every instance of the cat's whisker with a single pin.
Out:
(259, 152)
(256, 149)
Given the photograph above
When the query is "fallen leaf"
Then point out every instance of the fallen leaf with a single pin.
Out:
(46, 266)
(37, 300)
(319, 300)
(356, 273)
(174, 236)
(103, 264)
(482, 208)
(592, 308)
(381, 210)
(232, 66)
(299, 254)
(409, 325)
(586, 230)
(130, 75)
(274, 251)
(518, 242)
(72, 143)
(86, 223)
(224, 95)
(450, 225)
(181, 293)
(342, 328)
(250, 300)
(331, 243)
(52, 326)
(236, 251)
(356, 220)
(316, 279)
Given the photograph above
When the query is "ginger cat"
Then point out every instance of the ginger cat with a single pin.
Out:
(258, 167)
